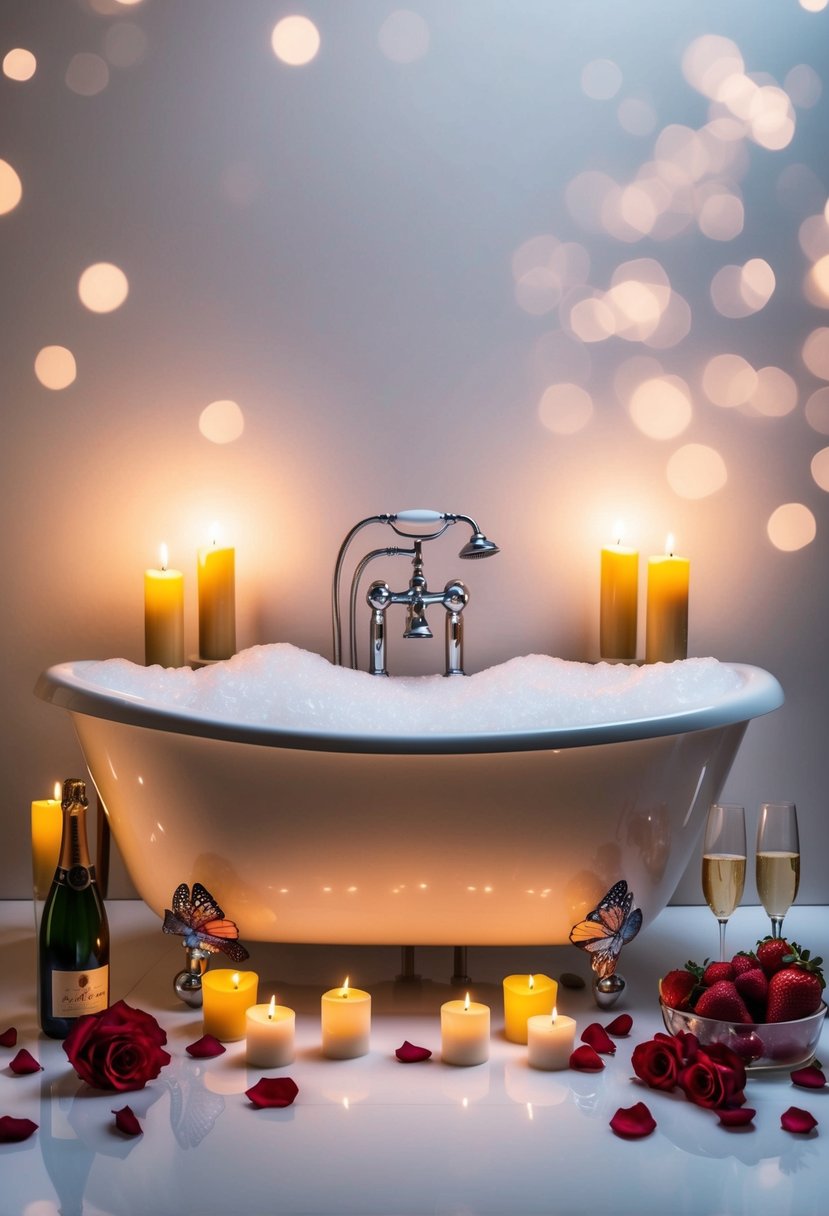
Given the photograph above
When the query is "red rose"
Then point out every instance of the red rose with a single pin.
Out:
(119, 1048)
(715, 1078)
(658, 1062)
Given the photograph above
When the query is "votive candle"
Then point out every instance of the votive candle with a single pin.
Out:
(226, 997)
(346, 1022)
(270, 1035)
(464, 1032)
(550, 1040)
(524, 996)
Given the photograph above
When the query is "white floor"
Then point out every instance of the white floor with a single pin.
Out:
(373, 1136)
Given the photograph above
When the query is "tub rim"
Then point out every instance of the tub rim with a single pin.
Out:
(63, 685)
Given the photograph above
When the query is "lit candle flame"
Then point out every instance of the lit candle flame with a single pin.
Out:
(466, 1004)
(344, 992)
(163, 556)
(234, 979)
(214, 533)
(669, 544)
(57, 791)
(272, 1008)
(619, 531)
(554, 1015)
(531, 983)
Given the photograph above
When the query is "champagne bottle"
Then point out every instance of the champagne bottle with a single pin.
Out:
(73, 955)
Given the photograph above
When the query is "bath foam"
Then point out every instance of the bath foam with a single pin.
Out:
(282, 686)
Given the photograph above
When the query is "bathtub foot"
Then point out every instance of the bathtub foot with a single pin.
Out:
(606, 991)
(188, 982)
(407, 975)
(460, 979)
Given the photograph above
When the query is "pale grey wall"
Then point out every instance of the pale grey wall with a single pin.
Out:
(334, 247)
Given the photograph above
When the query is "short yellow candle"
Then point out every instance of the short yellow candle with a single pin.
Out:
(550, 1041)
(270, 1035)
(226, 996)
(464, 1032)
(618, 601)
(666, 634)
(47, 826)
(524, 996)
(164, 615)
(217, 602)
(346, 1022)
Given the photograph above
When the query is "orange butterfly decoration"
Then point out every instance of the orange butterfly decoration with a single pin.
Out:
(202, 923)
(611, 925)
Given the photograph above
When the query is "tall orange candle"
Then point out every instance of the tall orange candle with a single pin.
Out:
(47, 826)
(217, 602)
(666, 634)
(164, 615)
(618, 601)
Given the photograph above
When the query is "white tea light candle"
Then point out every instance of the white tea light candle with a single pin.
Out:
(270, 1035)
(464, 1032)
(550, 1040)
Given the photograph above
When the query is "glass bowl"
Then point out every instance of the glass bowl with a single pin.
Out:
(759, 1045)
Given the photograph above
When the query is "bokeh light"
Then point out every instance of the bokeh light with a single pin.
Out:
(55, 367)
(87, 74)
(221, 421)
(601, 79)
(636, 116)
(543, 268)
(710, 60)
(775, 393)
(696, 471)
(565, 408)
(295, 40)
(590, 319)
(814, 6)
(124, 44)
(404, 36)
(817, 282)
(103, 287)
(729, 380)
(11, 188)
(817, 411)
(803, 86)
(813, 236)
(820, 468)
(816, 352)
(791, 527)
(19, 64)
(720, 212)
(739, 291)
(661, 407)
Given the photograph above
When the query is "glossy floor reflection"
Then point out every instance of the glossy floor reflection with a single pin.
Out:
(374, 1136)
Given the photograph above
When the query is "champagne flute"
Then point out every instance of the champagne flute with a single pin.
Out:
(724, 862)
(778, 860)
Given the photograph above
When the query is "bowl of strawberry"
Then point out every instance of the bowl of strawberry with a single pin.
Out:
(766, 1004)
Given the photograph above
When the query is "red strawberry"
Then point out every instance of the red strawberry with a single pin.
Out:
(723, 1002)
(770, 953)
(753, 987)
(676, 987)
(715, 972)
(743, 962)
(795, 990)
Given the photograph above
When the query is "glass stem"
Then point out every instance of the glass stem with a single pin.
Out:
(777, 926)
(722, 924)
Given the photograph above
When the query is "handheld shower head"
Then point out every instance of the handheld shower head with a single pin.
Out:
(478, 546)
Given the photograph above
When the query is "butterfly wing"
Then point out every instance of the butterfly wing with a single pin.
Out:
(611, 924)
(202, 923)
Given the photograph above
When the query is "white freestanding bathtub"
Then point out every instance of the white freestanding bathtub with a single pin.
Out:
(487, 838)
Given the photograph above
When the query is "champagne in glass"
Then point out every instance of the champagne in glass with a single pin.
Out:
(724, 862)
(778, 861)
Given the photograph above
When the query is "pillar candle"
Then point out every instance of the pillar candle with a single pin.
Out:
(666, 634)
(47, 826)
(618, 601)
(464, 1032)
(227, 995)
(525, 995)
(346, 1022)
(164, 615)
(217, 602)
(270, 1035)
(550, 1040)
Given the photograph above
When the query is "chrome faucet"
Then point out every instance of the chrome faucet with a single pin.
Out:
(416, 596)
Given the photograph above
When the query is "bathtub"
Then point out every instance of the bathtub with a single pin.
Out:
(336, 837)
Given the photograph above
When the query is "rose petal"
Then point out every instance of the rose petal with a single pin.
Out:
(9, 1037)
(621, 1025)
(409, 1054)
(796, 1120)
(596, 1036)
(633, 1121)
(24, 1063)
(205, 1047)
(585, 1059)
(126, 1121)
(273, 1091)
(736, 1116)
(12, 1129)
(809, 1078)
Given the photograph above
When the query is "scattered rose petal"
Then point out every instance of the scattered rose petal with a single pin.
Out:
(12, 1129)
(9, 1037)
(596, 1036)
(796, 1120)
(736, 1116)
(24, 1062)
(585, 1059)
(273, 1091)
(809, 1078)
(205, 1047)
(126, 1121)
(409, 1054)
(621, 1025)
(633, 1121)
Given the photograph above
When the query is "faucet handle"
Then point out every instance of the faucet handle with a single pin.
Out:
(419, 515)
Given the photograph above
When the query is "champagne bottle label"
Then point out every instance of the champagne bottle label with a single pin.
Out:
(77, 992)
